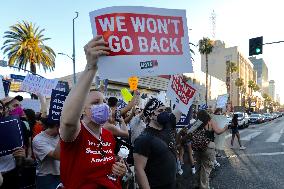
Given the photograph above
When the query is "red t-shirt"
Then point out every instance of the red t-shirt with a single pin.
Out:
(83, 166)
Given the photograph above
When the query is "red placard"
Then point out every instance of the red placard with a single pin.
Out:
(141, 34)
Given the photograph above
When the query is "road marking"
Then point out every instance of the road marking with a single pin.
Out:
(257, 154)
(251, 136)
(229, 135)
(282, 131)
(282, 144)
(274, 137)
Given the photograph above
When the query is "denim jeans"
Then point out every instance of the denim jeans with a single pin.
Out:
(47, 182)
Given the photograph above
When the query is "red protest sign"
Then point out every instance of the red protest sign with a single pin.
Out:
(181, 93)
(148, 41)
(141, 34)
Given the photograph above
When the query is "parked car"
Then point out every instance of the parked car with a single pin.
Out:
(243, 119)
(268, 117)
(256, 118)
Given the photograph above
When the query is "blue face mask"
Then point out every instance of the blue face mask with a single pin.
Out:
(100, 113)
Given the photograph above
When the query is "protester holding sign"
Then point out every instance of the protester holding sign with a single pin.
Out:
(155, 149)
(11, 163)
(86, 142)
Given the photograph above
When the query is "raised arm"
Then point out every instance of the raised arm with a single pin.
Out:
(74, 104)
(43, 106)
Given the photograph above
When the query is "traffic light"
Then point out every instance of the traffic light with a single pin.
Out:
(255, 46)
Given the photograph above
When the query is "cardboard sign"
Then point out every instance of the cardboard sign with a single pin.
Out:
(2, 91)
(31, 104)
(10, 135)
(180, 93)
(147, 41)
(6, 85)
(62, 86)
(56, 105)
(133, 83)
(35, 84)
(222, 101)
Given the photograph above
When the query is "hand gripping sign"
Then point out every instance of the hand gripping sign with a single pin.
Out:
(180, 93)
(147, 41)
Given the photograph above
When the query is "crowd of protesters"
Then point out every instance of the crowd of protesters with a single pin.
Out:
(81, 151)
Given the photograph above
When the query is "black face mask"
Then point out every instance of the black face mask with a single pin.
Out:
(164, 118)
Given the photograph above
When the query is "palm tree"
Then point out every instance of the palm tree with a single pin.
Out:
(205, 48)
(25, 45)
(251, 86)
(239, 83)
(256, 88)
(231, 67)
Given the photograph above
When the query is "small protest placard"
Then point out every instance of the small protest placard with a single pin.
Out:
(148, 41)
(184, 120)
(10, 135)
(35, 84)
(56, 105)
(180, 93)
(62, 86)
(2, 91)
(121, 104)
(222, 101)
(6, 85)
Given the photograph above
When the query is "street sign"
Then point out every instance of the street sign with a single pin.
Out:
(3, 63)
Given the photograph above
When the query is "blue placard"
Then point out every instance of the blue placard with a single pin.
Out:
(17, 77)
(62, 86)
(6, 85)
(121, 104)
(11, 136)
(56, 105)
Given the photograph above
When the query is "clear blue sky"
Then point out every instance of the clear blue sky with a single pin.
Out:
(237, 21)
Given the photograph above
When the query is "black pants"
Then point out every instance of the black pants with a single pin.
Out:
(11, 180)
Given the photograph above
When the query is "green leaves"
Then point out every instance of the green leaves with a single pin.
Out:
(24, 45)
(205, 45)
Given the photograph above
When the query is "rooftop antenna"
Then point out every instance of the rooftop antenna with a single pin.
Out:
(213, 21)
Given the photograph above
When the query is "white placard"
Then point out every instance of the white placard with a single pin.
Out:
(35, 84)
(2, 91)
(147, 41)
(222, 101)
(221, 121)
(31, 104)
(181, 93)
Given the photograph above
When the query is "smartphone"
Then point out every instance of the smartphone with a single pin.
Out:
(117, 115)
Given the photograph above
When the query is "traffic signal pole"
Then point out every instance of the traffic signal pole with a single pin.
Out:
(272, 42)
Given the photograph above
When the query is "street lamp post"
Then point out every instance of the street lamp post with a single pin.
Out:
(73, 56)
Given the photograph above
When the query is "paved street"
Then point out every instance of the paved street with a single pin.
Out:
(260, 166)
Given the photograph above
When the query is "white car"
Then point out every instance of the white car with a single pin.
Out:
(243, 119)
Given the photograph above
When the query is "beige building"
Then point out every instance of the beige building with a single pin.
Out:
(217, 68)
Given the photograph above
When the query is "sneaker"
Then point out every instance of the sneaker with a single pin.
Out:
(242, 148)
(193, 170)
